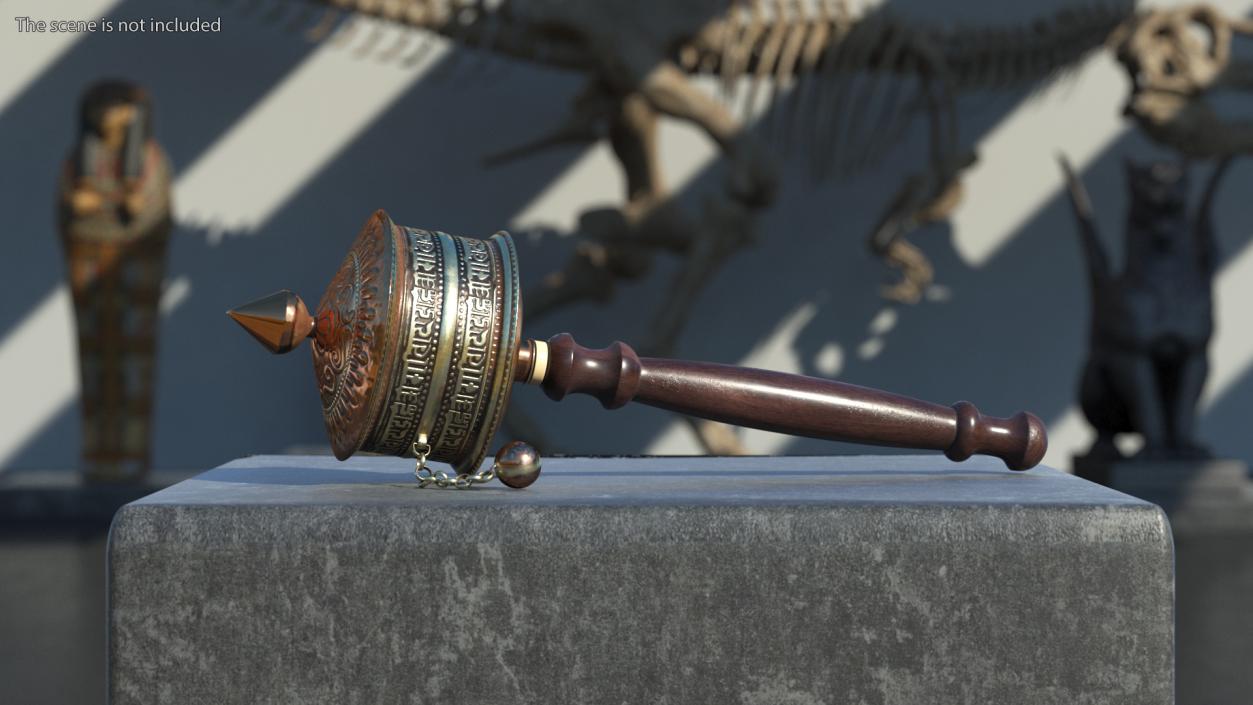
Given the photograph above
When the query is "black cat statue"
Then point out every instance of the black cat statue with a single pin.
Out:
(1146, 365)
(1151, 323)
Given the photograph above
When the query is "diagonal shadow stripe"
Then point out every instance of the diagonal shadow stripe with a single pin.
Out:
(415, 160)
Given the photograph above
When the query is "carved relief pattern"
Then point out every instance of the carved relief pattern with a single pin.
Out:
(479, 350)
(400, 417)
(474, 349)
(507, 340)
(351, 317)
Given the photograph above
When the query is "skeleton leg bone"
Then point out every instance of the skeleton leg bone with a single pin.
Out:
(592, 107)
(753, 174)
(926, 197)
(620, 244)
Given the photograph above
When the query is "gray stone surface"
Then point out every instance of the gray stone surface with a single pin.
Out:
(895, 579)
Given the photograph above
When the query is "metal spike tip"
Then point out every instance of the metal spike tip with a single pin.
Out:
(279, 321)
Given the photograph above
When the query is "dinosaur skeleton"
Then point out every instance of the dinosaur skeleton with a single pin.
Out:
(1176, 59)
(843, 85)
(859, 80)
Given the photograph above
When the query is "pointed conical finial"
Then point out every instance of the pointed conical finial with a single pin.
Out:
(279, 321)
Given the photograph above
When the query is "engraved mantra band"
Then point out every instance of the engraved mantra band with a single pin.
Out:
(475, 351)
(506, 342)
(450, 380)
(404, 409)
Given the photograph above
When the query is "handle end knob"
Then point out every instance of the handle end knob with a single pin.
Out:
(1037, 442)
(1020, 440)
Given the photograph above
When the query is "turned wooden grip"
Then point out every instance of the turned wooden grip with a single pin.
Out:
(791, 404)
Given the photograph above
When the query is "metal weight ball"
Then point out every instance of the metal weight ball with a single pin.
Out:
(517, 464)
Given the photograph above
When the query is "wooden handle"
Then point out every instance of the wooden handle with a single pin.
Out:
(791, 404)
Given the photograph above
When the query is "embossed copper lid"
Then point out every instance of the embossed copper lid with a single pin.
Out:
(414, 341)
(355, 331)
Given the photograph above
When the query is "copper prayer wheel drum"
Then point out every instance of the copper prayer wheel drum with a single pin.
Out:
(415, 341)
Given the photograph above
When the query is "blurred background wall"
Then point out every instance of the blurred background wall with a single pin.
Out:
(283, 147)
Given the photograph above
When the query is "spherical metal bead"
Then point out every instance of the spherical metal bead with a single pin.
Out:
(517, 464)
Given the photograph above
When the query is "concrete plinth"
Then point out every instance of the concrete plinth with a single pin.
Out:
(895, 579)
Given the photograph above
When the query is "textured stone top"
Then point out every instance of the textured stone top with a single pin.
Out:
(845, 480)
(903, 580)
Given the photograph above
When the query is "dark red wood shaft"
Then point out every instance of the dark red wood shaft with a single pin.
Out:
(792, 404)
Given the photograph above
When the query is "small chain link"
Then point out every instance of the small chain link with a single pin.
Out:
(441, 478)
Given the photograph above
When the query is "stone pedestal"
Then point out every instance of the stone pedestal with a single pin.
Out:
(1210, 504)
(896, 579)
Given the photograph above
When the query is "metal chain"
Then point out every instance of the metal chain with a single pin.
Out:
(441, 478)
